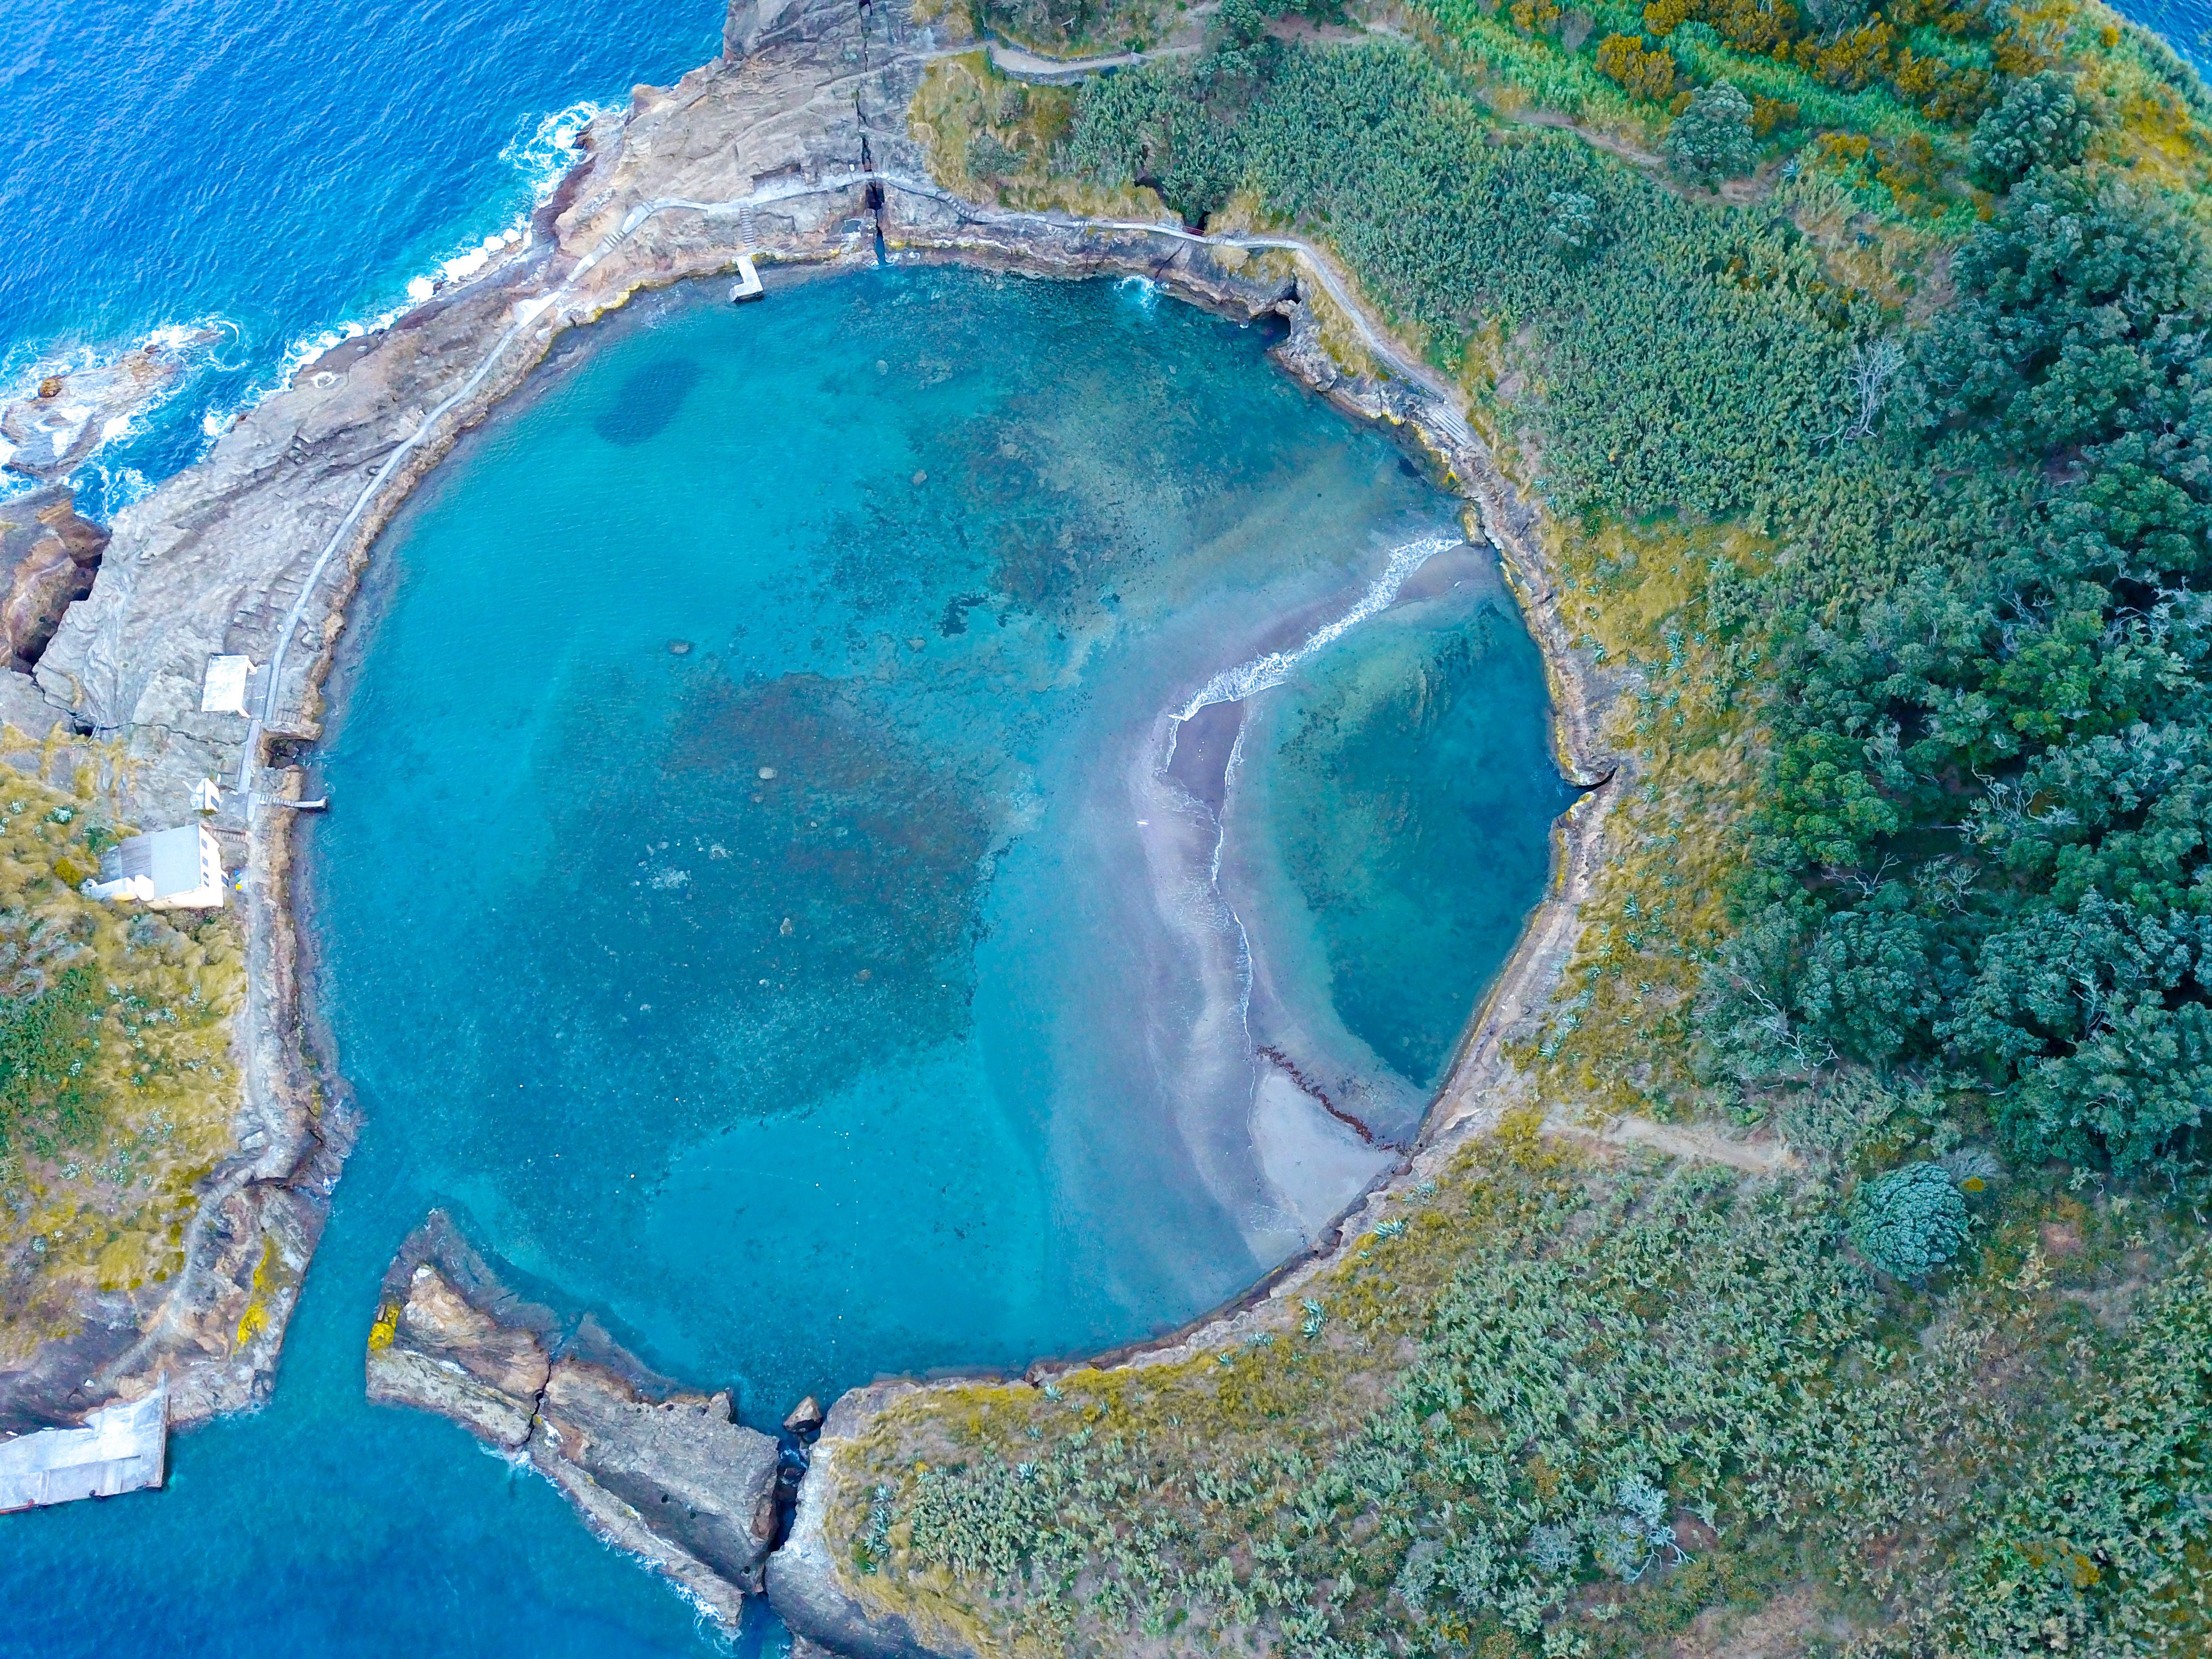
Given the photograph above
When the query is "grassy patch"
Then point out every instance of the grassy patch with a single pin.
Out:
(1618, 1036)
(118, 1083)
(995, 139)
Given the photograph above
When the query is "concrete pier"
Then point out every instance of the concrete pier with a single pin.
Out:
(121, 1448)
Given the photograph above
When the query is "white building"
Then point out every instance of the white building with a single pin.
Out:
(228, 684)
(179, 869)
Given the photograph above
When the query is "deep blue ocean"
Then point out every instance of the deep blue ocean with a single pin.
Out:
(277, 170)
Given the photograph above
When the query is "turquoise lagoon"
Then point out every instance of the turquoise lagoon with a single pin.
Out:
(939, 820)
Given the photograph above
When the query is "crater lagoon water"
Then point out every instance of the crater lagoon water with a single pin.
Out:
(1090, 751)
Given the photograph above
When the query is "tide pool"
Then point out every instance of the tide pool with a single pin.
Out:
(936, 821)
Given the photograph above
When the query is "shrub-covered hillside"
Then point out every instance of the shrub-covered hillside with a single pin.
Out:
(1859, 356)
(117, 1082)
(1923, 518)
(1553, 1405)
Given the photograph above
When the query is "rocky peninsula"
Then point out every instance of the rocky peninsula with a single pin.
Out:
(666, 1474)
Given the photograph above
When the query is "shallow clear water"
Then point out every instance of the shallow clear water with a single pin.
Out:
(874, 986)
(1409, 739)
(836, 997)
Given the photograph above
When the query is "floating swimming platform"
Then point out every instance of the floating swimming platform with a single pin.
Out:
(748, 281)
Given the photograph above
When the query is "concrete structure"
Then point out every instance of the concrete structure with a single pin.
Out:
(228, 684)
(179, 869)
(207, 796)
(122, 1447)
(748, 281)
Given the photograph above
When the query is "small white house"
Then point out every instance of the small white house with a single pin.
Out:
(228, 684)
(179, 869)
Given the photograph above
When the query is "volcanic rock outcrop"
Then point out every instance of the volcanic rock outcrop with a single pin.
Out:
(69, 414)
(662, 1472)
(48, 556)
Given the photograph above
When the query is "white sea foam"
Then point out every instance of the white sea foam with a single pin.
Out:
(1273, 667)
(551, 145)
(226, 333)
(119, 486)
(1213, 883)
(1147, 292)
(542, 149)
(25, 364)
(195, 345)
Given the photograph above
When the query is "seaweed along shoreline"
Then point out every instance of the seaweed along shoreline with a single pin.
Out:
(790, 147)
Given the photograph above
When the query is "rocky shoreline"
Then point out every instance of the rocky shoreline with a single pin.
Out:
(666, 1474)
(791, 147)
(69, 414)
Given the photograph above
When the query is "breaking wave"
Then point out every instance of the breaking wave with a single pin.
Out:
(1273, 667)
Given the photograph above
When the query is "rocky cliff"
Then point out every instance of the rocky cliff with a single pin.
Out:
(48, 557)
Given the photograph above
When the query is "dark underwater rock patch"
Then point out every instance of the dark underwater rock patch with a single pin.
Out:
(648, 402)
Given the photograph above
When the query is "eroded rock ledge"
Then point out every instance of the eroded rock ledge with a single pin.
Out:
(666, 1474)
(48, 555)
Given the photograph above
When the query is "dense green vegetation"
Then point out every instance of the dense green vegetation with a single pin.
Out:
(1068, 28)
(48, 1033)
(1983, 832)
(1984, 836)
(1448, 218)
(1859, 354)
(2104, 1544)
(1472, 1498)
